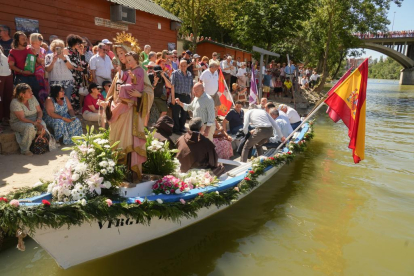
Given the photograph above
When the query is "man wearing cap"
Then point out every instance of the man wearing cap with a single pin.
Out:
(190, 63)
(108, 45)
(181, 87)
(101, 65)
(209, 79)
(215, 58)
(227, 67)
(152, 57)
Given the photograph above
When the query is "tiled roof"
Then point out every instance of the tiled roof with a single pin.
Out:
(147, 6)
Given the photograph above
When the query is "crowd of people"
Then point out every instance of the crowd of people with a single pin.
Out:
(119, 84)
(390, 34)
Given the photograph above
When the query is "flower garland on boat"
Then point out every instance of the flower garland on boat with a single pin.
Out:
(100, 208)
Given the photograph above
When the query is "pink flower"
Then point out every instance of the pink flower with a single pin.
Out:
(156, 186)
(14, 203)
(182, 201)
(247, 179)
(138, 201)
(236, 189)
(172, 191)
(3, 199)
(109, 202)
(251, 172)
(201, 194)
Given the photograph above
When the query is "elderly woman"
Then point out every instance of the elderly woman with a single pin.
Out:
(222, 141)
(25, 117)
(59, 116)
(242, 75)
(59, 68)
(36, 41)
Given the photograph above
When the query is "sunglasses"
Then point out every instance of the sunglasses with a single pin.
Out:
(40, 38)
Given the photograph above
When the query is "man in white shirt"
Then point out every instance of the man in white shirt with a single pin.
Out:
(209, 79)
(282, 115)
(293, 115)
(101, 65)
(313, 79)
(285, 127)
(264, 125)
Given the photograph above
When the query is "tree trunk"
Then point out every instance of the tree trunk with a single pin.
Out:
(340, 64)
(326, 56)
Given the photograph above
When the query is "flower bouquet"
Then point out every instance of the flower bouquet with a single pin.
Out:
(91, 170)
(199, 178)
(170, 184)
(160, 158)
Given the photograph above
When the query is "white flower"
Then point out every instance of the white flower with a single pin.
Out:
(107, 185)
(159, 201)
(107, 146)
(178, 191)
(38, 183)
(66, 192)
(81, 168)
(91, 150)
(111, 163)
(65, 199)
(167, 193)
(217, 192)
(103, 164)
(75, 177)
(103, 171)
(50, 187)
(187, 189)
(110, 169)
(102, 141)
(83, 202)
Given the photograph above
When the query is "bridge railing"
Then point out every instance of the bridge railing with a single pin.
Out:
(392, 34)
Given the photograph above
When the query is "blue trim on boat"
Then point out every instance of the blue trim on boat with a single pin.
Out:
(225, 185)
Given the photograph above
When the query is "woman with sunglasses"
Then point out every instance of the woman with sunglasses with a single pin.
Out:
(36, 41)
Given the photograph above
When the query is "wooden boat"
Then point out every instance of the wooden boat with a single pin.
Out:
(88, 241)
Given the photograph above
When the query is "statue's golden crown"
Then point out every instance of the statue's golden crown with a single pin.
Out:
(128, 40)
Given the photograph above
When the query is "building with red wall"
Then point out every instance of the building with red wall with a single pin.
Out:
(207, 47)
(92, 18)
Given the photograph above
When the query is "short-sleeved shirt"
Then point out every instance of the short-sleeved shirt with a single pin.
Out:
(89, 100)
(267, 79)
(103, 66)
(159, 88)
(183, 84)
(288, 84)
(210, 81)
(29, 113)
(19, 57)
(235, 119)
(191, 67)
(6, 46)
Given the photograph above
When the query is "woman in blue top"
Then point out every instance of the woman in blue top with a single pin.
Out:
(60, 116)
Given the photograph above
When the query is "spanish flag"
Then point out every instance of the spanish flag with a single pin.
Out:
(348, 101)
(226, 99)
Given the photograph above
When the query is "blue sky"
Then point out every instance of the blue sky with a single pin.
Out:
(404, 20)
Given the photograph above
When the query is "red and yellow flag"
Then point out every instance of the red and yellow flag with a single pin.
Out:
(348, 101)
(225, 98)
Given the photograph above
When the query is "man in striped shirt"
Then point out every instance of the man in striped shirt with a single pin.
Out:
(203, 107)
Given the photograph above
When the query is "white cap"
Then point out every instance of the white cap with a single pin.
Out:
(106, 41)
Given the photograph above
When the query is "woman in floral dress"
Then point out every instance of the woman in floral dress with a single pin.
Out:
(59, 116)
(222, 141)
(73, 51)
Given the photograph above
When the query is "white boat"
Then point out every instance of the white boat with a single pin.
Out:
(79, 244)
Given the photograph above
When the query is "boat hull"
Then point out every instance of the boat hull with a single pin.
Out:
(89, 241)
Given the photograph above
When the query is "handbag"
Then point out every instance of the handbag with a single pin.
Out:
(83, 89)
(40, 144)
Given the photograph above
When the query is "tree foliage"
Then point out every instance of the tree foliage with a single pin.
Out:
(385, 69)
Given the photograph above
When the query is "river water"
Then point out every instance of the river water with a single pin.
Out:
(321, 215)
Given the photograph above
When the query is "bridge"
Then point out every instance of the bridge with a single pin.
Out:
(401, 49)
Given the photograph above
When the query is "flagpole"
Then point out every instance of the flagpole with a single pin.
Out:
(319, 105)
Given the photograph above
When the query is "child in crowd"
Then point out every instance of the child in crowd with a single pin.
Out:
(278, 87)
(105, 88)
(288, 87)
(266, 83)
